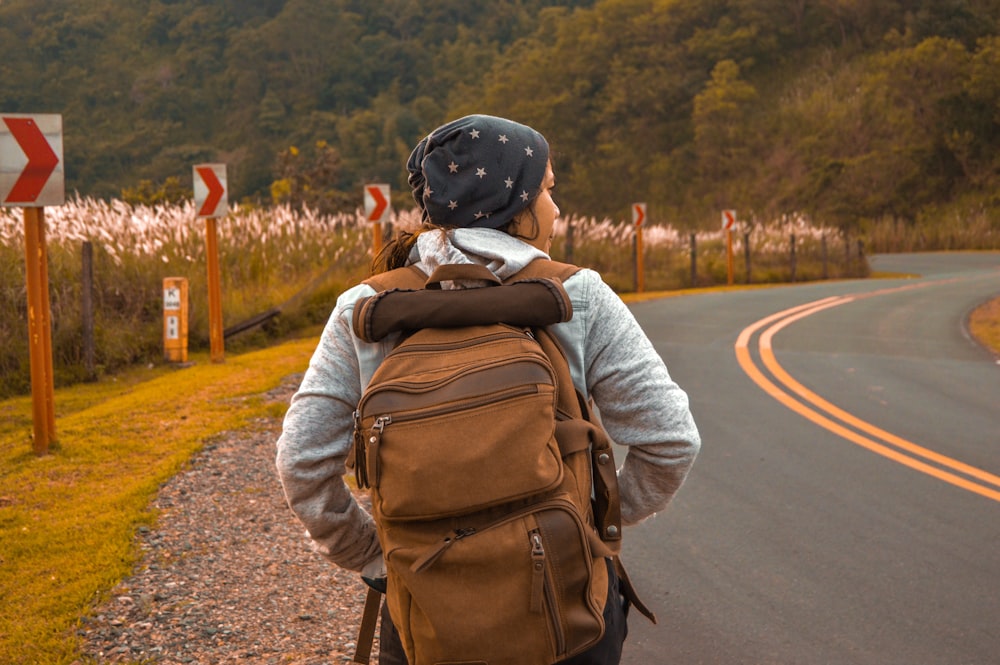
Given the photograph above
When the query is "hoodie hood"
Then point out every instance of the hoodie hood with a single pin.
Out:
(503, 254)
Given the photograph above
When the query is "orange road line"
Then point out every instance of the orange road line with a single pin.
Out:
(771, 362)
(767, 355)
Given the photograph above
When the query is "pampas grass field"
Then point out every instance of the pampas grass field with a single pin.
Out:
(298, 261)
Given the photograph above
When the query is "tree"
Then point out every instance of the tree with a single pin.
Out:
(308, 180)
(722, 145)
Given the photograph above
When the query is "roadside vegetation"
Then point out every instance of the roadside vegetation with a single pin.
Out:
(984, 325)
(297, 261)
(68, 519)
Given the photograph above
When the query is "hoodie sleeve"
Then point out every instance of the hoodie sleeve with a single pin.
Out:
(314, 444)
(640, 405)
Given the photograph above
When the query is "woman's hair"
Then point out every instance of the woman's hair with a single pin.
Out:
(508, 228)
(396, 253)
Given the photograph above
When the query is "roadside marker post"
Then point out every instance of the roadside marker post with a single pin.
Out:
(211, 198)
(728, 225)
(175, 319)
(32, 177)
(377, 211)
(638, 218)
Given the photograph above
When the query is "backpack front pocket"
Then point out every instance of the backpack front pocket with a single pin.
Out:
(480, 439)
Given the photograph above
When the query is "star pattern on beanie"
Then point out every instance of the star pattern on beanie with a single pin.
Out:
(461, 180)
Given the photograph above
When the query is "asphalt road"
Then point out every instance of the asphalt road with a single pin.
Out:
(845, 508)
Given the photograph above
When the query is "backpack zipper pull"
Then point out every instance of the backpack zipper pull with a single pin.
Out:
(373, 442)
(356, 459)
(537, 571)
(426, 560)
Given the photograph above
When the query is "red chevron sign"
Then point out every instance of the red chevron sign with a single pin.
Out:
(728, 220)
(638, 214)
(210, 196)
(376, 203)
(31, 172)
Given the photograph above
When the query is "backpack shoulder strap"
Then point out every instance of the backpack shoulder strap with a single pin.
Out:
(408, 277)
(545, 268)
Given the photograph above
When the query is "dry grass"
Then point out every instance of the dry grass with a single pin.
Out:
(984, 324)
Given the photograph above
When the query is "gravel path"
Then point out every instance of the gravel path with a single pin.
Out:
(227, 574)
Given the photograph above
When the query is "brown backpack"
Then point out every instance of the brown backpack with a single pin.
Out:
(493, 487)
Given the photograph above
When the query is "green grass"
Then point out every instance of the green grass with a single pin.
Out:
(68, 519)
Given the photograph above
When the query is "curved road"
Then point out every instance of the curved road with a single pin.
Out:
(845, 509)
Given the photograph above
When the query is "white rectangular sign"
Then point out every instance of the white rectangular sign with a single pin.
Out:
(171, 298)
(211, 190)
(173, 328)
(31, 160)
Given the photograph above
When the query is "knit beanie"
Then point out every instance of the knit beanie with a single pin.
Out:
(477, 171)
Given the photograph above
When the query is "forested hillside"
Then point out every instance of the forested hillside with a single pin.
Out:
(838, 109)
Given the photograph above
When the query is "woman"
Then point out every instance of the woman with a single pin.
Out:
(484, 187)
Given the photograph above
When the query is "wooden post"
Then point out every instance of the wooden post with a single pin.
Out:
(376, 238)
(640, 269)
(746, 253)
(39, 331)
(729, 256)
(793, 256)
(569, 242)
(822, 244)
(694, 260)
(216, 338)
(87, 308)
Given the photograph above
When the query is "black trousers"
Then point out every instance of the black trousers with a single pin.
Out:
(606, 652)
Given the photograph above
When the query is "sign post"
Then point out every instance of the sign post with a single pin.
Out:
(728, 225)
(638, 217)
(377, 211)
(212, 201)
(32, 177)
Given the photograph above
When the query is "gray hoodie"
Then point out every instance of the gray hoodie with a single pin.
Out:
(611, 359)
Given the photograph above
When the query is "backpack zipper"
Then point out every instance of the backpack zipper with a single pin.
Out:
(370, 457)
(432, 556)
(371, 461)
(537, 571)
(465, 532)
(404, 416)
(541, 588)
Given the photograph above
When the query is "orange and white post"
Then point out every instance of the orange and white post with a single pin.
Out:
(729, 225)
(638, 219)
(32, 177)
(377, 210)
(211, 198)
(39, 331)
(175, 319)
